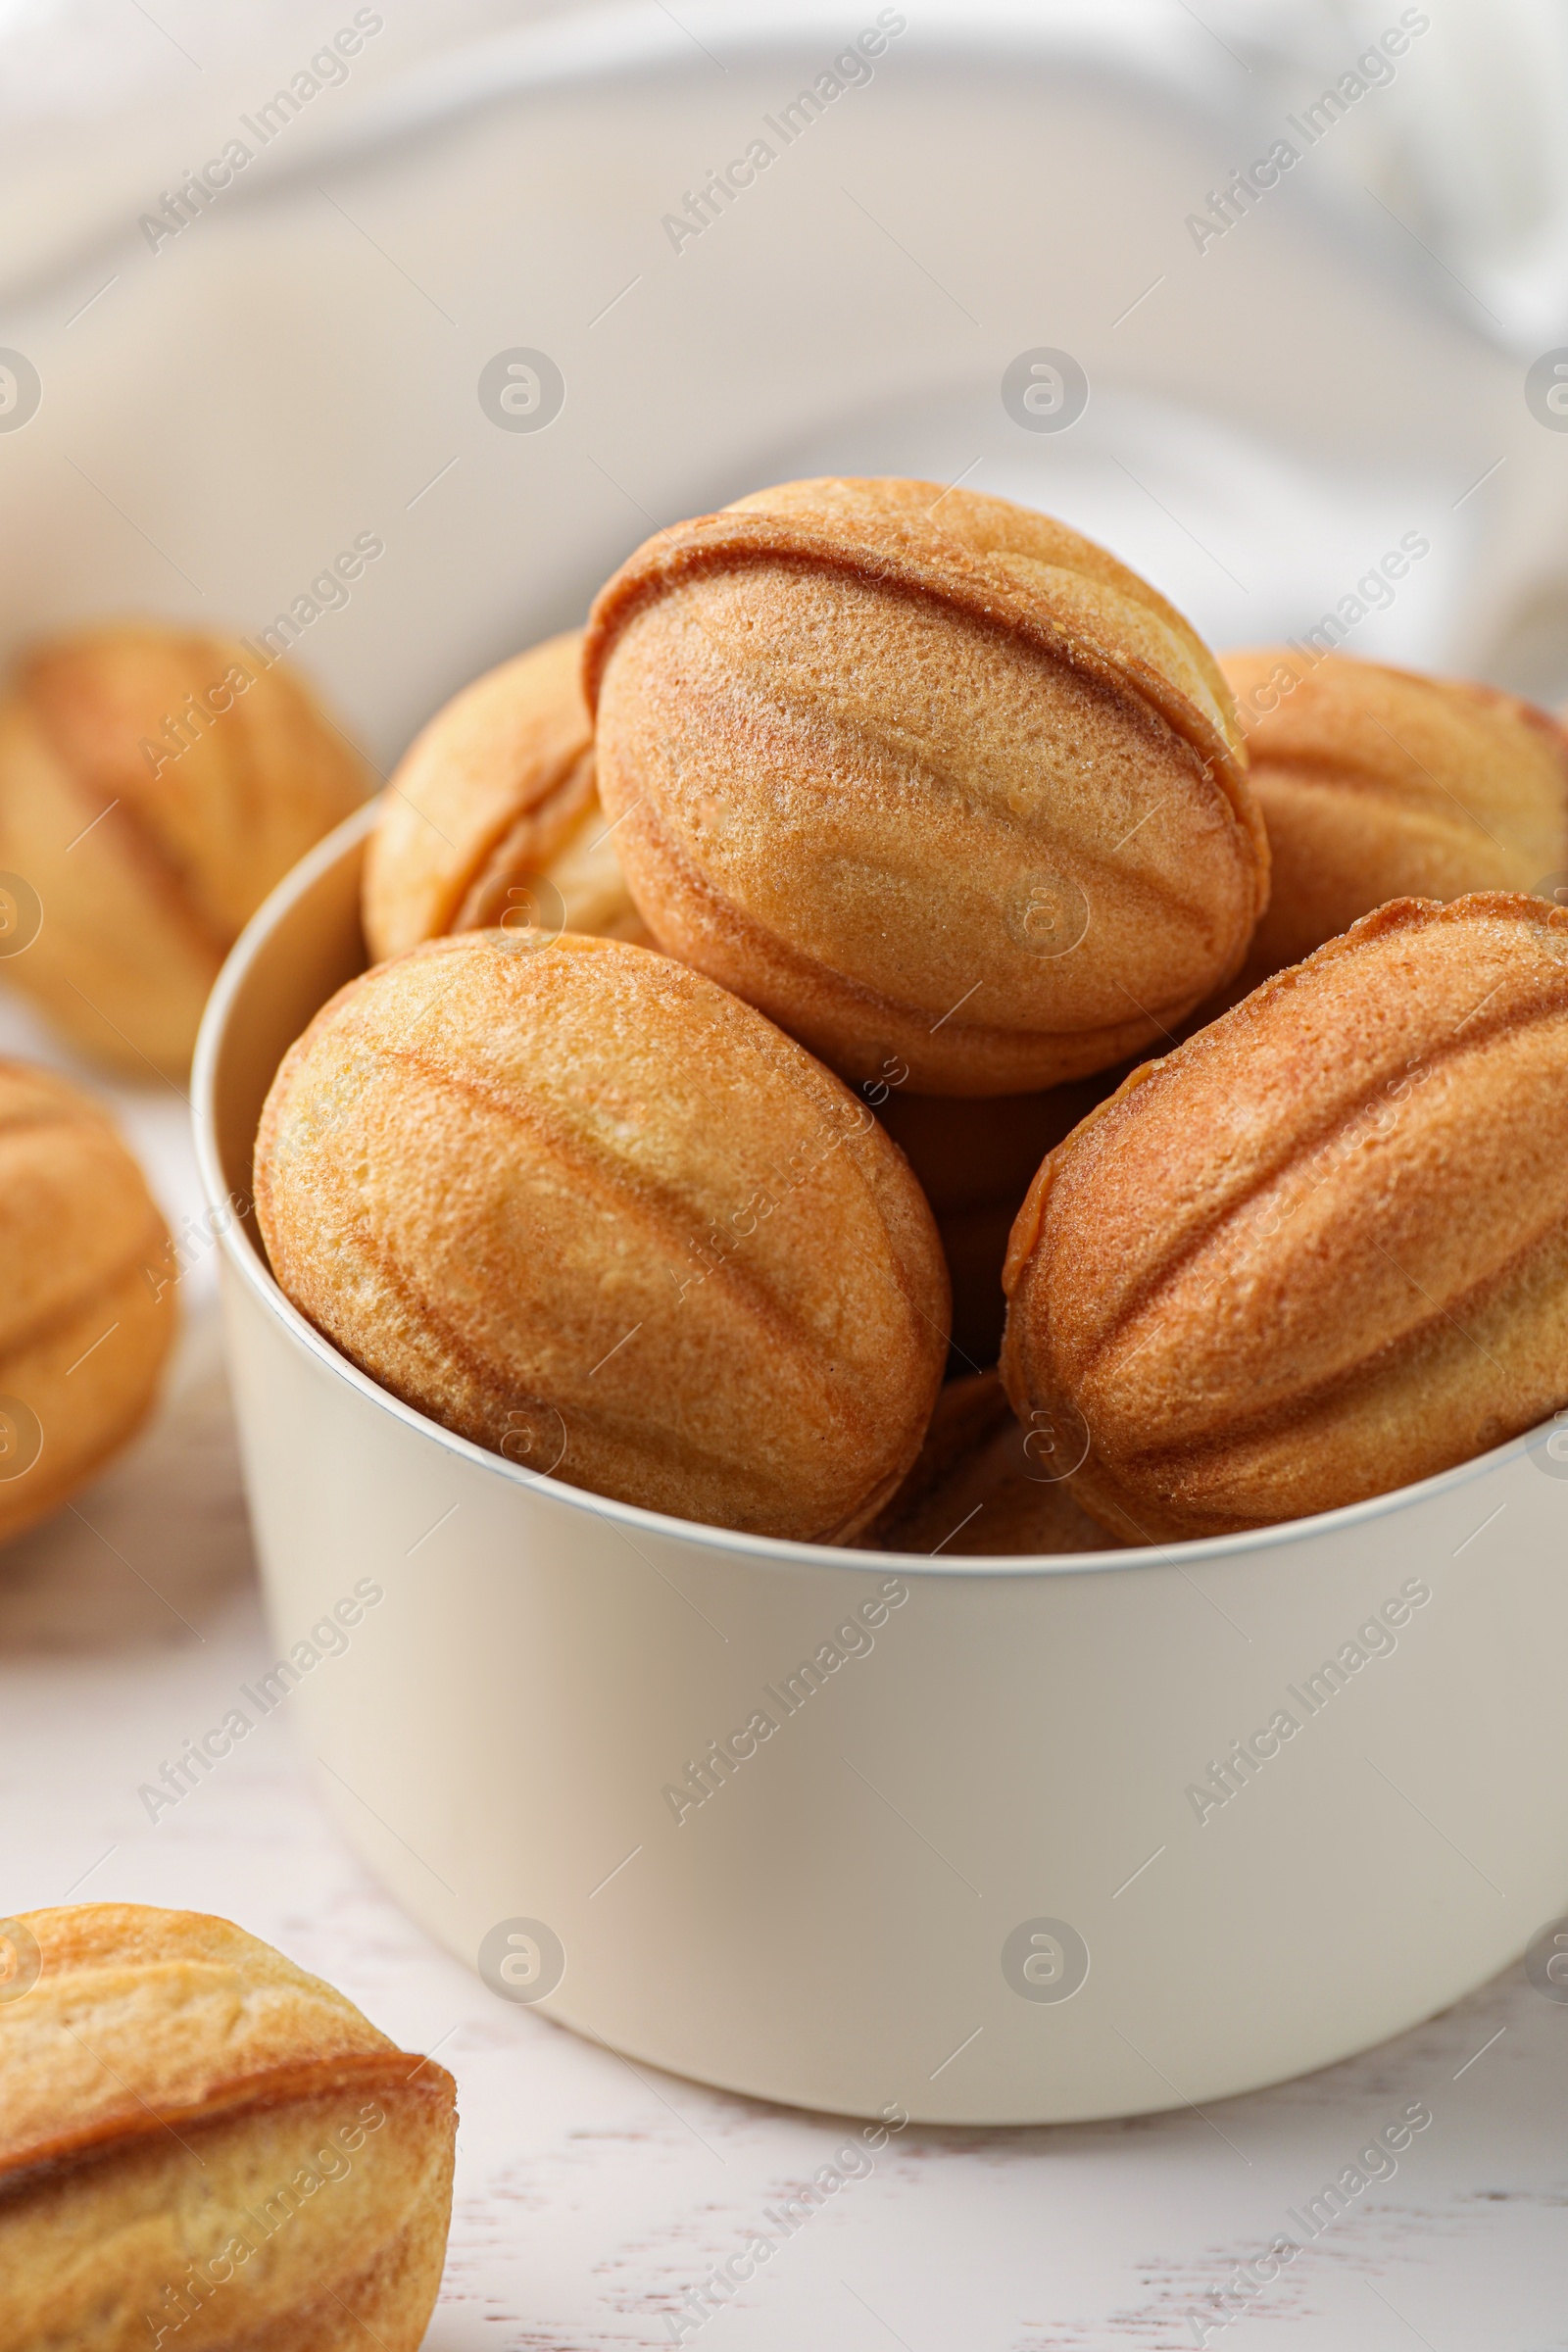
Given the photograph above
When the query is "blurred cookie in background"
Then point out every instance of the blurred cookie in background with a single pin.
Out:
(1379, 784)
(87, 1309)
(155, 784)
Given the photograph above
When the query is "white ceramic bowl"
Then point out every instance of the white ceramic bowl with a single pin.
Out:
(969, 1866)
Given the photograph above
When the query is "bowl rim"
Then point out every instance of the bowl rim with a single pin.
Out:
(246, 1261)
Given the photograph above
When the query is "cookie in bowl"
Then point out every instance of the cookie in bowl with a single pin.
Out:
(584, 1206)
(925, 774)
(1379, 784)
(1321, 1249)
(975, 1157)
(986, 1488)
(201, 2145)
(493, 818)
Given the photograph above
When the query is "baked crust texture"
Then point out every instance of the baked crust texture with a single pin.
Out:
(1321, 1249)
(203, 2147)
(1379, 784)
(591, 1210)
(492, 816)
(927, 778)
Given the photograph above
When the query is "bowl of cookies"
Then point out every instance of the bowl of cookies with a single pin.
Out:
(905, 1260)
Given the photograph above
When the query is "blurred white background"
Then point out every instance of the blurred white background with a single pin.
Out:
(1275, 398)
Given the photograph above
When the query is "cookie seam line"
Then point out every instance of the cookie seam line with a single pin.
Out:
(1450, 1053)
(300, 2082)
(982, 602)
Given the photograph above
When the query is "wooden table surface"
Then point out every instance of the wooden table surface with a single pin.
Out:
(593, 2194)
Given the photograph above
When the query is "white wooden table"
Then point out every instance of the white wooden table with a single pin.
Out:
(593, 2194)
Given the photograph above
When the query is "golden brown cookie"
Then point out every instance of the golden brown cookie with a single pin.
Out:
(1321, 1249)
(154, 786)
(203, 2147)
(87, 1294)
(493, 816)
(591, 1210)
(975, 1157)
(1380, 784)
(986, 1488)
(926, 776)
